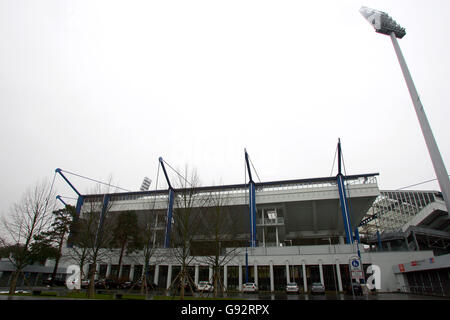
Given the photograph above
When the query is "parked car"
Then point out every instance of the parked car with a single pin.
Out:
(84, 283)
(150, 286)
(205, 286)
(100, 284)
(56, 282)
(249, 287)
(106, 284)
(317, 288)
(292, 287)
(357, 289)
(188, 287)
(126, 285)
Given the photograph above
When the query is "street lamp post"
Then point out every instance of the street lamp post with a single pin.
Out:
(386, 25)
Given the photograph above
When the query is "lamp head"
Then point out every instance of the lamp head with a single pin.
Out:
(382, 22)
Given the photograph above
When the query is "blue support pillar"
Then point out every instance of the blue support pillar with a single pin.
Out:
(357, 242)
(252, 206)
(343, 199)
(380, 246)
(80, 196)
(169, 219)
(356, 234)
(169, 206)
(344, 208)
(60, 199)
(80, 202)
(67, 180)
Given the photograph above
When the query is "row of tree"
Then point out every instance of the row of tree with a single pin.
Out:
(35, 232)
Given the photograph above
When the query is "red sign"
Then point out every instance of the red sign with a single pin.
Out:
(413, 263)
(401, 267)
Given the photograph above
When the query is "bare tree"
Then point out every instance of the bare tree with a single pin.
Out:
(150, 242)
(219, 231)
(29, 218)
(91, 235)
(79, 242)
(52, 241)
(189, 205)
(96, 231)
(126, 236)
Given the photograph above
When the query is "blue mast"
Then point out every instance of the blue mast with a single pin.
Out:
(169, 206)
(343, 199)
(60, 199)
(80, 196)
(252, 203)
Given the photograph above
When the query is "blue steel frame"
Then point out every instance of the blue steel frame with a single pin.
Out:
(344, 208)
(58, 197)
(80, 196)
(169, 219)
(169, 206)
(252, 204)
(343, 199)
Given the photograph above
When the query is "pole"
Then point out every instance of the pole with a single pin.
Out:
(246, 266)
(351, 279)
(433, 150)
(334, 267)
(342, 197)
(169, 218)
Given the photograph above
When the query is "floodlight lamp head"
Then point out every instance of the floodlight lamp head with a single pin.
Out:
(382, 22)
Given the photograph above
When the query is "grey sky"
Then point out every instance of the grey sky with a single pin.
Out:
(104, 88)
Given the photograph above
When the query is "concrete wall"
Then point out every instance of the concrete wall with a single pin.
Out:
(387, 260)
(298, 255)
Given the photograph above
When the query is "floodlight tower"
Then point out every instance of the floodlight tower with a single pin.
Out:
(384, 24)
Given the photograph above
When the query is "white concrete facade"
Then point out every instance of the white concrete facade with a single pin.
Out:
(286, 257)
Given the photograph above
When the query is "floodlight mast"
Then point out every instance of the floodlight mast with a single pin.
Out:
(382, 22)
(386, 25)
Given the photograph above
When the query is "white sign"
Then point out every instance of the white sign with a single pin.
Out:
(355, 264)
(355, 267)
(357, 274)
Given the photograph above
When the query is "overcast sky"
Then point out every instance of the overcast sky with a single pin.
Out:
(104, 88)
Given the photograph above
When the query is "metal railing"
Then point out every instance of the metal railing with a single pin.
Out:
(437, 290)
(394, 208)
(240, 188)
(268, 222)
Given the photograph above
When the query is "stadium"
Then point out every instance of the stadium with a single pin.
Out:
(273, 233)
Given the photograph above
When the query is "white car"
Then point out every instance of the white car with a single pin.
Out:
(292, 288)
(249, 287)
(84, 283)
(205, 286)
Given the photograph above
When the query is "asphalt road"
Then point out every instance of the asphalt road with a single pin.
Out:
(328, 296)
(272, 296)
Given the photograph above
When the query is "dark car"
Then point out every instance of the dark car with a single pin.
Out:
(354, 288)
(106, 284)
(317, 288)
(126, 285)
(56, 282)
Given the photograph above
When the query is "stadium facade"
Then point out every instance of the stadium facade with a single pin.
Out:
(304, 231)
